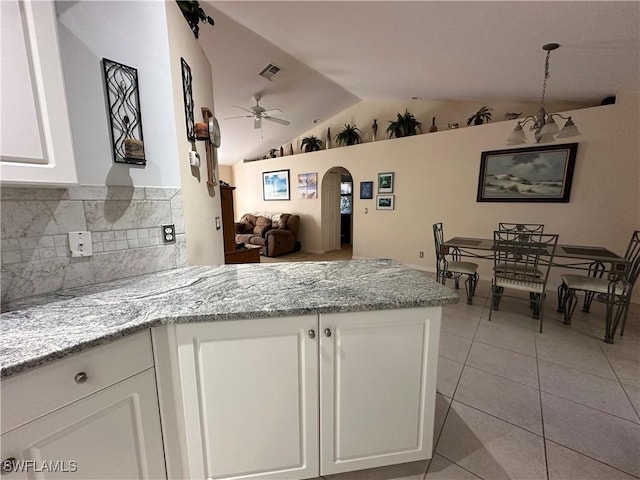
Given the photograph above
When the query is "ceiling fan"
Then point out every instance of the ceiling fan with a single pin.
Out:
(258, 113)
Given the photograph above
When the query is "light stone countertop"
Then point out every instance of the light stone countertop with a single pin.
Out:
(40, 329)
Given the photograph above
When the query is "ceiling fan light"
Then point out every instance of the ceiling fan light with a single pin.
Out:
(569, 130)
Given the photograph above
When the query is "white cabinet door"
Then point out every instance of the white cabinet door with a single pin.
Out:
(250, 396)
(377, 381)
(35, 134)
(114, 433)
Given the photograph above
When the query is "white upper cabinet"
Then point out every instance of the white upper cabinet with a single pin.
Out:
(35, 137)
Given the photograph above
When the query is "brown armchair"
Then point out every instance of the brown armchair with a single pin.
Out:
(275, 233)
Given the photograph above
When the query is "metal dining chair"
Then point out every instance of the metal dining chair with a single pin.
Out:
(614, 289)
(514, 260)
(454, 268)
(522, 232)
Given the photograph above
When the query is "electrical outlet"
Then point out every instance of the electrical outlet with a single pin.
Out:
(217, 223)
(421, 254)
(168, 234)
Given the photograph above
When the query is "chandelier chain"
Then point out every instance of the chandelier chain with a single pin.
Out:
(546, 76)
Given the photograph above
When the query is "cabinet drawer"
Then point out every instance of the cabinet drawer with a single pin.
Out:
(29, 395)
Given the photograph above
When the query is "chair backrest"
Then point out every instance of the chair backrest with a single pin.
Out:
(523, 229)
(516, 257)
(438, 239)
(632, 255)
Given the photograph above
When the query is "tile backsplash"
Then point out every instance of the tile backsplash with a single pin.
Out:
(125, 225)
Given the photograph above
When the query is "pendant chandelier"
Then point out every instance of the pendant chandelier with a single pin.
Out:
(543, 124)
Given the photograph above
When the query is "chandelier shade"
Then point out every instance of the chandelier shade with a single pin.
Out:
(543, 124)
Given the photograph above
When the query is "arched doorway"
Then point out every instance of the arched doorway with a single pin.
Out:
(337, 209)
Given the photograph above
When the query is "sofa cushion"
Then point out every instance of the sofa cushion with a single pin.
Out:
(263, 225)
(249, 218)
(244, 227)
(282, 225)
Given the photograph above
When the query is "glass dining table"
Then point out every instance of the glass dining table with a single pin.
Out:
(566, 256)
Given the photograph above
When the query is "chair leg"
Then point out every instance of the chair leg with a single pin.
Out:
(624, 317)
(562, 291)
(470, 286)
(496, 295)
(540, 307)
(608, 330)
(456, 278)
(536, 300)
(493, 287)
(588, 298)
(570, 303)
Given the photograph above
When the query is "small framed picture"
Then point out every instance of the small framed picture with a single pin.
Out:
(385, 202)
(385, 182)
(366, 190)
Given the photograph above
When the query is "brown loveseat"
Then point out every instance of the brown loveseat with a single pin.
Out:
(275, 233)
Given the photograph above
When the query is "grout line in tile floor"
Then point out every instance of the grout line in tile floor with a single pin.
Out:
(544, 437)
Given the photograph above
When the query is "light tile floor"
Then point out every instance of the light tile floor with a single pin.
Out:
(515, 403)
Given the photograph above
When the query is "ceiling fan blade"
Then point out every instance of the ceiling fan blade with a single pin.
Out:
(273, 111)
(242, 108)
(241, 116)
(257, 122)
(276, 120)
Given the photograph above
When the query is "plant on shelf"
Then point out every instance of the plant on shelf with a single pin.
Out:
(311, 144)
(404, 126)
(273, 153)
(194, 14)
(349, 135)
(481, 116)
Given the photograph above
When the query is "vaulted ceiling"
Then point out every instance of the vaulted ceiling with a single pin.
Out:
(335, 54)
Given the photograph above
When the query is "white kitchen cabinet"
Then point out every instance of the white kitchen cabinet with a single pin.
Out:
(93, 415)
(377, 387)
(35, 138)
(298, 397)
(248, 396)
(114, 433)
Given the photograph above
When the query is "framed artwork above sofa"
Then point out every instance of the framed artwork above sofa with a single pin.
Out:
(275, 185)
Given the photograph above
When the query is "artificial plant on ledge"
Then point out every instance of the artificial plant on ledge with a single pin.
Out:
(194, 14)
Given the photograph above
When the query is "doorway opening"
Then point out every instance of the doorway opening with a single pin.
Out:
(337, 210)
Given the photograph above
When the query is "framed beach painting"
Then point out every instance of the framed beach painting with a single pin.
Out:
(275, 185)
(534, 174)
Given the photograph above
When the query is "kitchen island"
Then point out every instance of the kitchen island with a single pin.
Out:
(258, 367)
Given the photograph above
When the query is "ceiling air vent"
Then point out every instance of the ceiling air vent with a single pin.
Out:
(270, 71)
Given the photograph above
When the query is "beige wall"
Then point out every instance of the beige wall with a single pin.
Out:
(436, 177)
(201, 203)
(226, 174)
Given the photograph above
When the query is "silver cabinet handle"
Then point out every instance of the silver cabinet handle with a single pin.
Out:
(312, 334)
(80, 377)
(327, 332)
(8, 465)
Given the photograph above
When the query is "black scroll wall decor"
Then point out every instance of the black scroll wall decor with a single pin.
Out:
(123, 99)
(187, 81)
